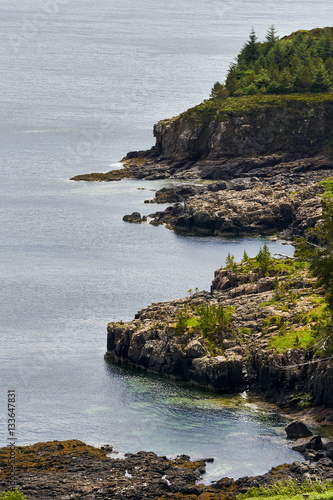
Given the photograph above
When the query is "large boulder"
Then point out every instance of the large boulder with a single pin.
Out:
(297, 429)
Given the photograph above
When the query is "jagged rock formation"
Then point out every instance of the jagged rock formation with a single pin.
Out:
(245, 207)
(242, 355)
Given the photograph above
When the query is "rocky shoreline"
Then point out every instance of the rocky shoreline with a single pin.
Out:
(244, 166)
(265, 308)
(73, 470)
(252, 196)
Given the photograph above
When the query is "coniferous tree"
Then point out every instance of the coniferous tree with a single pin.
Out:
(250, 51)
(301, 62)
(321, 82)
(231, 82)
(271, 37)
(219, 91)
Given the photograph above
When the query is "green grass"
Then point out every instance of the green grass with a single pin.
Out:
(305, 317)
(292, 339)
(328, 185)
(237, 106)
(312, 496)
(276, 266)
(286, 490)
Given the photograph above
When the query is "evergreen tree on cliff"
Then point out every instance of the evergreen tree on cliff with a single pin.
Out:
(300, 62)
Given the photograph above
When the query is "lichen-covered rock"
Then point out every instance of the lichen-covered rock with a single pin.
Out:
(66, 470)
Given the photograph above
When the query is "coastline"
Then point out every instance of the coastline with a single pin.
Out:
(72, 469)
(247, 166)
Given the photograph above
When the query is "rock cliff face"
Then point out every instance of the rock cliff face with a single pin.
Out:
(298, 127)
(294, 372)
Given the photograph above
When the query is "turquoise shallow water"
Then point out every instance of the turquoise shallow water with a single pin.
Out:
(80, 86)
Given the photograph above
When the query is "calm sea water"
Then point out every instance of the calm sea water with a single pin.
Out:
(81, 84)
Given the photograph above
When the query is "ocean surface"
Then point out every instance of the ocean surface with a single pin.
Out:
(81, 84)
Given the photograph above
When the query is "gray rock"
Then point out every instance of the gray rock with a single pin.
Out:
(194, 349)
(134, 217)
(328, 445)
(301, 444)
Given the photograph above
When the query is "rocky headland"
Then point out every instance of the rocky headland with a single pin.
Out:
(263, 344)
(254, 165)
(240, 165)
(247, 165)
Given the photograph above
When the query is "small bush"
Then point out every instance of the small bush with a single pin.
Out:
(182, 319)
(264, 258)
(230, 263)
(12, 495)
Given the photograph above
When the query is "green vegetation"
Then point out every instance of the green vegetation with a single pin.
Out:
(302, 400)
(292, 338)
(12, 495)
(296, 316)
(290, 490)
(309, 327)
(182, 318)
(298, 63)
(317, 249)
(230, 262)
(264, 259)
(328, 185)
(219, 109)
(212, 320)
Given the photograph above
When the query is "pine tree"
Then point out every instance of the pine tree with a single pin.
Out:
(231, 82)
(285, 82)
(271, 37)
(321, 82)
(219, 91)
(250, 51)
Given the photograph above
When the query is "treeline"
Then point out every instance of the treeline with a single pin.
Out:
(301, 62)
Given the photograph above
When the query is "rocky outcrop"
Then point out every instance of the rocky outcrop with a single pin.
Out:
(72, 470)
(134, 217)
(176, 356)
(295, 372)
(224, 140)
(240, 354)
(265, 155)
(287, 204)
(247, 126)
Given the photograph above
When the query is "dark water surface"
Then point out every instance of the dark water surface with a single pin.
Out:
(80, 85)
